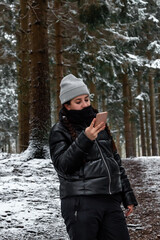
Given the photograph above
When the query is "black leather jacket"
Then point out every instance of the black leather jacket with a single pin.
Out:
(88, 167)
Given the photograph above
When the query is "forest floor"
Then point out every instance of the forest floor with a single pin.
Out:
(30, 205)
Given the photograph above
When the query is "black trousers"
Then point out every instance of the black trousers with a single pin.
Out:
(94, 218)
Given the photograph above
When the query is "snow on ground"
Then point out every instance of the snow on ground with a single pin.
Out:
(151, 167)
(29, 200)
(30, 205)
(144, 173)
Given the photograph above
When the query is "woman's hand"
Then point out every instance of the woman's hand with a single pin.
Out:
(92, 132)
(130, 210)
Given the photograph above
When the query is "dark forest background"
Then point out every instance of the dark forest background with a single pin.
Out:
(113, 45)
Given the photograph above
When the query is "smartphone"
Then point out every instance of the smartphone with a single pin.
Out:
(101, 117)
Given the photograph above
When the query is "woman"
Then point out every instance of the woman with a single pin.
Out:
(92, 181)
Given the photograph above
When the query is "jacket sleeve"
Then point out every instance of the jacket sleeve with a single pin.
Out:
(128, 196)
(68, 157)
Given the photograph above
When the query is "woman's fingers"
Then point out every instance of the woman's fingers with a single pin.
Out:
(130, 210)
(92, 132)
(100, 127)
(93, 122)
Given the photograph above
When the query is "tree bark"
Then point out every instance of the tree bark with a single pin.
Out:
(159, 113)
(143, 143)
(104, 107)
(118, 145)
(147, 128)
(39, 75)
(127, 123)
(23, 79)
(139, 150)
(59, 57)
(93, 90)
(153, 115)
(132, 120)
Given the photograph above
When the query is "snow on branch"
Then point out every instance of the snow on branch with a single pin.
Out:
(154, 46)
(138, 2)
(154, 64)
(139, 60)
(153, 19)
(122, 37)
(141, 96)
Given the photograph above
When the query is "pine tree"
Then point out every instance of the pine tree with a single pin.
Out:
(23, 78)
(58, 48)
(39, 88)
(139, 77)
(8, 94)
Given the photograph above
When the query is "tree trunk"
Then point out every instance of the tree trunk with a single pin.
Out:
(153, 116)
(59, 57)
(143, 144)
(23, 79)
(127, 123)
(9, 145)
(118, 145)
(104, 107)
(132, 119)
(138, 143)
(147, 129)
(39, 74)
(93, 90)
(159, 113)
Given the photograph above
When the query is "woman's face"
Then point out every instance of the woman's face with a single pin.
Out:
(78, 103)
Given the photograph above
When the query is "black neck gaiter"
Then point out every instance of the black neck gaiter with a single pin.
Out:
(83, 117)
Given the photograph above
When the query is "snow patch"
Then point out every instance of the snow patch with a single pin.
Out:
(29, 196)
(154, 64)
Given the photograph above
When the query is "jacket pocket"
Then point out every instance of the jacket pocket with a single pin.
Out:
(69, 209)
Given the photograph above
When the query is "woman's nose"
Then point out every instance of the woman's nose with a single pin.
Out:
(84, 104)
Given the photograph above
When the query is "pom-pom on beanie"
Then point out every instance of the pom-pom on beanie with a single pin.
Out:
(71, 87)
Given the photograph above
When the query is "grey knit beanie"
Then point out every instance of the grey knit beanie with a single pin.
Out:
(72, 87)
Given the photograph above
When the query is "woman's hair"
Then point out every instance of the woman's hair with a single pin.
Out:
(72, 130)
(67, 123)
(113, 142)
(68, 103)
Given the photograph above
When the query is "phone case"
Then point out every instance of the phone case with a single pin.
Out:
(101, 117)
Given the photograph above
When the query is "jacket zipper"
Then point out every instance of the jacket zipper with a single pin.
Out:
(115, 161)
(109, 188)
